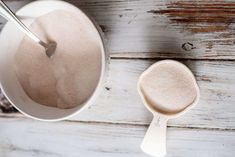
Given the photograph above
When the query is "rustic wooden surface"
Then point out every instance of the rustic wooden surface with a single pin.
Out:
(201, 34)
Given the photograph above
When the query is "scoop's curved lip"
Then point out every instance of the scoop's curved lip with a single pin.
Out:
(103, 69)
(154, 111)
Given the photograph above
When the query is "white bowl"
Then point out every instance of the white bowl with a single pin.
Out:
(10, 39)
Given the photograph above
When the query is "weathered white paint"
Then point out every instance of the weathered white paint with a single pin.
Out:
(130, 27)
(115, 125)
(23, 137)
(121, 103)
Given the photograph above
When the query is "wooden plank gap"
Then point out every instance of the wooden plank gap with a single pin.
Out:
(155, 55)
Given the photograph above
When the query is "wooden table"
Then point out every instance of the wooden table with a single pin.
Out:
(200, 34)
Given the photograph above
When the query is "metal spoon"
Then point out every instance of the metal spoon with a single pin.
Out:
(10, 16)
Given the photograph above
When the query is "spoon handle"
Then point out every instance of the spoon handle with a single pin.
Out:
(154, 142)
(10, 16)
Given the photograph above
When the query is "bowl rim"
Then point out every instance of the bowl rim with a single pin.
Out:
(103, 74)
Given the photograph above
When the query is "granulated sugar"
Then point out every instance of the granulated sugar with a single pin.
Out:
(169, 88)
(68, 78)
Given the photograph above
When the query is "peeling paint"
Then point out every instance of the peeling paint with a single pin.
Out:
(200, 16)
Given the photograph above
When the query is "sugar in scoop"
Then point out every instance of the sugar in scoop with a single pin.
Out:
(168, 89)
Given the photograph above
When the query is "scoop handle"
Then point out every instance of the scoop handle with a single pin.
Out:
(154, 142)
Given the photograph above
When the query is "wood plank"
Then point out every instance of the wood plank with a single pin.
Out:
(22, 137)
(120, 102)
(163, 29)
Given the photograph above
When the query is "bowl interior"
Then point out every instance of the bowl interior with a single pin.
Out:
(9, 41)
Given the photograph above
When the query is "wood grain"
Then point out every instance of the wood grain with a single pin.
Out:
(163, 29)
(138, 33)
(120, 102)
(23, 137)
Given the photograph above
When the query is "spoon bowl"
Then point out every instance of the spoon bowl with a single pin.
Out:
(50, 48)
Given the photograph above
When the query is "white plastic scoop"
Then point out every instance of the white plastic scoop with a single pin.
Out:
(168, 89)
